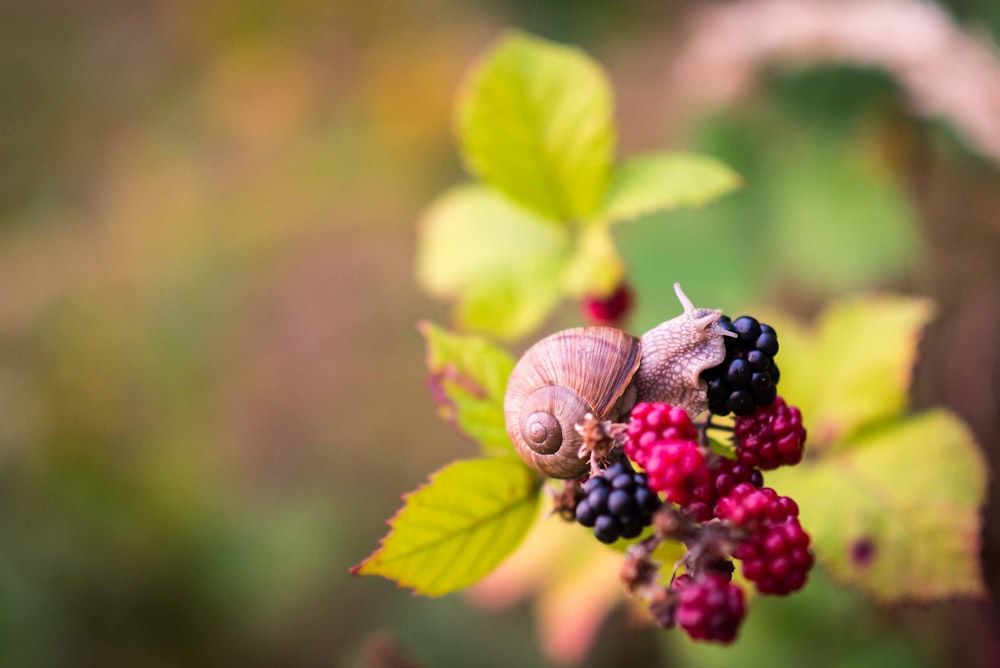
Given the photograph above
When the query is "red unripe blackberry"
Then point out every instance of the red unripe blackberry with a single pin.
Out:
(608, 309)
(753, 508)
(677, 468)
(710, 608)
(653, 422)
(726, 475)
(777, 558)
(770, 436)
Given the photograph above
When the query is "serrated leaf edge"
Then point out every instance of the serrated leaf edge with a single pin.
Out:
(359, 568)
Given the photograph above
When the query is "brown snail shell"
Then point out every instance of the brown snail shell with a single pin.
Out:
(558, 381)
(604, 371)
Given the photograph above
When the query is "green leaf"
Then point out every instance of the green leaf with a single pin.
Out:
(535, 121)
(458, 527)
(898, 512)
(503, 264)
(510, 306)
(854, 367)
(663, 181)
(595, 267)
(468, 376)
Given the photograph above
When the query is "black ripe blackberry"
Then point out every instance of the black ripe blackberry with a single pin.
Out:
(748, 377)
(618, 503)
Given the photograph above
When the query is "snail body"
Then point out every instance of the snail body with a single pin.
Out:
(605, 371)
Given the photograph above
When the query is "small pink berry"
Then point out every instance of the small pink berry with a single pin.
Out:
(608, 309)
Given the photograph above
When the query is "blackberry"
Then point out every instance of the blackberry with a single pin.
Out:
(710, 608)
(652, 422)
(771, 436)
(774, 549)
(777, 558)
(754, 508)
(747, 377)
(725, 476)
(677, 468)
(618, 503)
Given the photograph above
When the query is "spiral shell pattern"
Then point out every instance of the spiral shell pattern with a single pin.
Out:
(558, 381)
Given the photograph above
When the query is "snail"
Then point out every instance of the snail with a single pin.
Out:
(605, 372)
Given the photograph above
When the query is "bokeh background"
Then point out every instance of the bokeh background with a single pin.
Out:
(211, 386)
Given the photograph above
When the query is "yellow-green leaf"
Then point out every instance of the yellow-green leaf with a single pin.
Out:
(468, 376)
(854, 367)
(898, 512)
(535, 120)
(595, 267)
(503, 264)
(510, 306)
(664, 181)
(458, 527)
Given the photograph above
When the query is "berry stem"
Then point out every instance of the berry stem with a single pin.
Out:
(703, 427)
(720, 427)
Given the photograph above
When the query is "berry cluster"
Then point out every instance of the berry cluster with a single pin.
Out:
(717, 506)
(679, 468)
(748, 376)
(721, 510)
(663, 440)
(618, 503)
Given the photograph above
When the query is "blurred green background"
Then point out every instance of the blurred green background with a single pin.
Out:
(211, 387)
